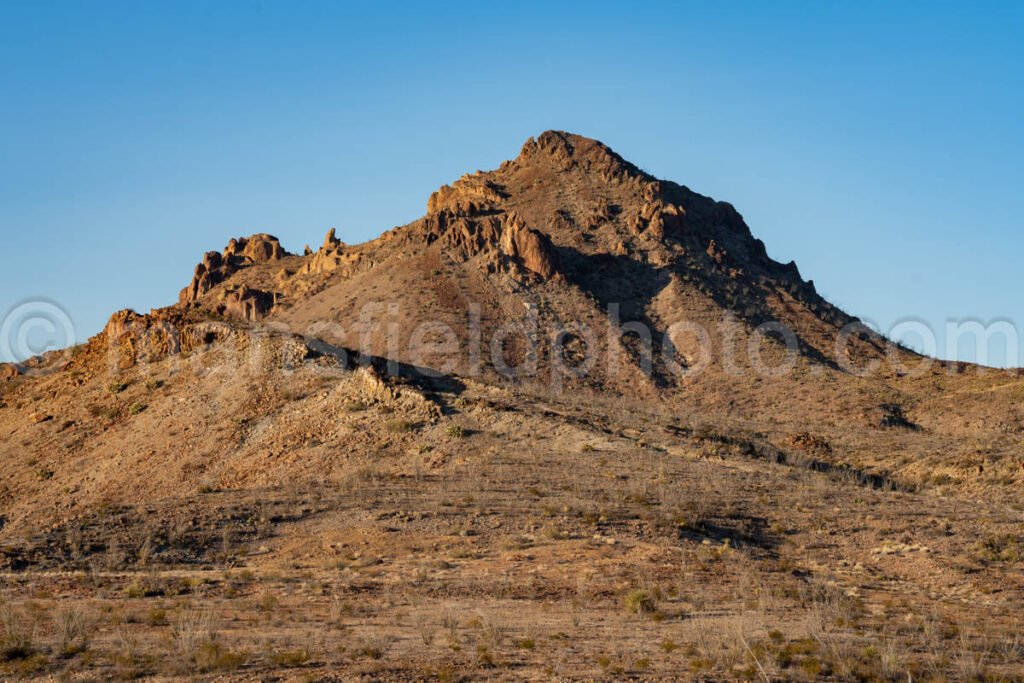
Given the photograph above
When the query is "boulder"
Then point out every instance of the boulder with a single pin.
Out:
(530, 247)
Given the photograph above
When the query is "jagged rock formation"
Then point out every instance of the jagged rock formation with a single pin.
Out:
(240, 253)
(331, 256)
(503, 241)
(215, 268)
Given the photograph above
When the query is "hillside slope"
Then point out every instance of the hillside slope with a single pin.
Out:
(331, 454)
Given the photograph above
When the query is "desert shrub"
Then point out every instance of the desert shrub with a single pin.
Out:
(1000, 548)
(485, 658)
(116, 387)
(425, 628)
(290, 658)
(157, 617)
(450, 623)
(136, 408)
(372, 651)
(969, 662)
(398, 426)
(105, 412)
(73, 630)
(190, 629)
(455, 431)
(492, 631)
(355, 406)
(139, 588)
(640, 601)
(16, 635)
(154, 384)
(213, 656)
(267, 603)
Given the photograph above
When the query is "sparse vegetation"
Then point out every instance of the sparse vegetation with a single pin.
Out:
(640, 601)
(398, 426)
(73, 629)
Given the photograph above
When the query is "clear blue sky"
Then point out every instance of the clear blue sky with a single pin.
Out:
(879, 145)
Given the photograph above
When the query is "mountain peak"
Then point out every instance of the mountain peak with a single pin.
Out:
(568, 222)
(568, 150)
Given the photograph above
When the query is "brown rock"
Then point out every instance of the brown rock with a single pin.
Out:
(248, 303)
(533, 249)
(261, 248)
(331, 242)
(468, 196)
(240, 253)
(8, 371)
(130, 337)
(717, 254)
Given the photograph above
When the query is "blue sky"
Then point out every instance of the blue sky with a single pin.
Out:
(880, 145)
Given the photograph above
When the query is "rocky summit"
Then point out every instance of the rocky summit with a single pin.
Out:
(574, 423)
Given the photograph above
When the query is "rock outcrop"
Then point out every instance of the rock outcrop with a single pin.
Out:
(531, 248)
(240, 253)
(332, 255)
(502, 241)
(247, 303)
(468, 196)
(8, 371)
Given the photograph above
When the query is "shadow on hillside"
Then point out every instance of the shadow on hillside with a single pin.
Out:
(633, 285)
(762, 450)
(737, 531)
(421, 377)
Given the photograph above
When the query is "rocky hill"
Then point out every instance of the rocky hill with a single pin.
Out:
(569, 384)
